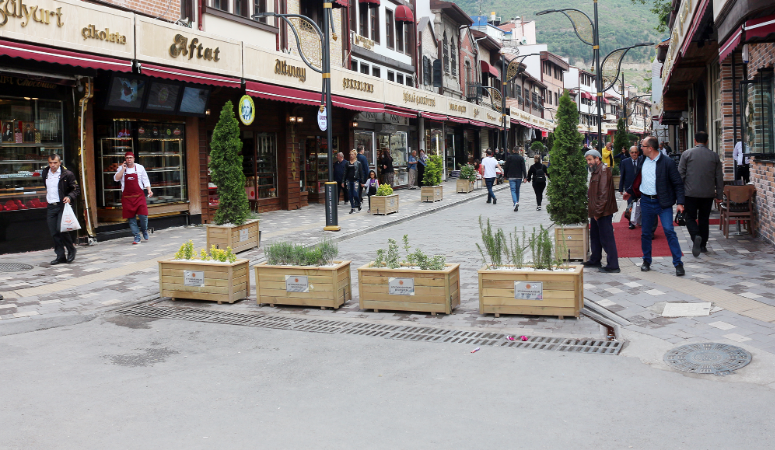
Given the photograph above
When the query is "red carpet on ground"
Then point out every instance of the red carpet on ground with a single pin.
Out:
(628, 241)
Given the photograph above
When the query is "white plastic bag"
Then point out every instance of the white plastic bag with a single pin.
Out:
(635, 215)
(69, 220)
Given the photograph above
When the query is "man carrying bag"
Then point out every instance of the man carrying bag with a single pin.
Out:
(61, 190)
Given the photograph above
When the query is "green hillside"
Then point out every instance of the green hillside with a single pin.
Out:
(621, 22)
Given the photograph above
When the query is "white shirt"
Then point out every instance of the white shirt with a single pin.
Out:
(489, 164)
(664, 152)
(737, 154)
(52, 185)
(648, 174)
(142, 176)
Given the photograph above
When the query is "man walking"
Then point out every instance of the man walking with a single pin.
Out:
(703, 177)
(134, 179)
(659, 186)
(490, 164)
(61, 188)
(627, 171)
(602, 207)
(411, 163)
(514, 169)
(364, 168)
(339, 166)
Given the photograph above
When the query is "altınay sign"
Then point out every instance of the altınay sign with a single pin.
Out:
(71, 25)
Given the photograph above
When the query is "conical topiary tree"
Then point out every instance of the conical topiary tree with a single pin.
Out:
(567, 192)
(226, 169)
(620, 139)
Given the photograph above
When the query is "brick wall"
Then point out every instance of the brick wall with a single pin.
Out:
(730, 92)
(760, 56)
(163, 9)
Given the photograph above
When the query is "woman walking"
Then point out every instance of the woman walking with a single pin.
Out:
(386, 167)
(538, 174)
(352, 176)
(372, 184)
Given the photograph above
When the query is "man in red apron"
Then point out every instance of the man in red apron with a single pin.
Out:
(134, 179)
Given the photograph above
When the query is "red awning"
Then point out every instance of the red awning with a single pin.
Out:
(189, 76)
(730, 45)
(404, 14)
(431, 116)
(369, 3)
(487, 68)
(698, 13)
(399, 111)
(50, 55)
(759, 28)
(339, 4)
(476, 123)
(457, 119)
(587, 95)
(357, 105)
(283, 94)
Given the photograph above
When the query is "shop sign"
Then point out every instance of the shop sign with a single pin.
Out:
(72, 25)
(401, 286)
(322, 119)
(296, 283)
(361, 41)
(529, 290)
(457, 108)
(423, 100)
(195, 48)
(349, 83)
(195, 278)
(247, 110)
(283, 68)
(373, 117)
(388, 128)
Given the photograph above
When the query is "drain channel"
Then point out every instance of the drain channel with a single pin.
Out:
(397, 332)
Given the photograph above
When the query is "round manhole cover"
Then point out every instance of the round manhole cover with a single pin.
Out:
(14, 267)
(709, 357)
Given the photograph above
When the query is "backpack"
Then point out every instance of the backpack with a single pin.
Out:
(540, 176)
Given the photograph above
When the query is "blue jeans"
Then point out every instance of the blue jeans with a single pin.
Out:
(353, 187)
(490, 193)
(649, 213)
(515, 184)
(143, 226)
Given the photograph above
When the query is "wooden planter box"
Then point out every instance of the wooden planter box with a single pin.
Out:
(431, 193)
(384, 205)
(464, 186)
(433, 291)
(204, 280)
(616, 181)
(562, 292)
(326, 287)
(239, 238)
(576, 239)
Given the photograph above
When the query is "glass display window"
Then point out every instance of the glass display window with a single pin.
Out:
(158, 146)
(31, 130)
(366, 139)
(315, 153)
(266, 165)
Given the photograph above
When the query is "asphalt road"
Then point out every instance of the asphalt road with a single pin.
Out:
(121, 382)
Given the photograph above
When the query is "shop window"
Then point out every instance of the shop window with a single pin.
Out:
(391, 76)
(364, 69)
(366, 139)
(259, 6)
(158, 146)
(31, 131)
(375, 72)
(389, 29)
(757, 112)
(266, 165)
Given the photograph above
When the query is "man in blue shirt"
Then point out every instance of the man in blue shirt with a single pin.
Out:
(659, 186)
(364, 168)
(411, 163)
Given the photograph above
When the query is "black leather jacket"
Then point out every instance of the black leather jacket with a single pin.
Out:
(68, 184)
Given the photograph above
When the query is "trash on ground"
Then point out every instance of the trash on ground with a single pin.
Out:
(510, 338)
(686, 309)
(475, 350)
(524, 338)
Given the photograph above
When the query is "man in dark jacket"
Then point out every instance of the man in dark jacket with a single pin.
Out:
(602, 207)
(339, 165)
(659, 186)
(61, 188)
(364, 168)
(514, 170)
(627, 169)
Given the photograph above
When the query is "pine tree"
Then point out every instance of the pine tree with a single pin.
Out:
(620, 139)
(567, 192)
(226, 169)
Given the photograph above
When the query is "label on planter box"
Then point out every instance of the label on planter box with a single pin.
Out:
(296, 283)
(195, 278)
(244, 235)
(401, 286)
(529, 290)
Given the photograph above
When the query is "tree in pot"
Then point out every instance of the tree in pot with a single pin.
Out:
(537, 148)
(432, 189)
(226, 173)
(567, 191)
(466, 179)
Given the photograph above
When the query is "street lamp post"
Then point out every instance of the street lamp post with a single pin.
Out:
(331, 191)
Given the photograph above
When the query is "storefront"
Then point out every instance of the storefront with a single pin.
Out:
(381, 132)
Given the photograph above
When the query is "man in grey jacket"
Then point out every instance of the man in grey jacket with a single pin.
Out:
(703, 177)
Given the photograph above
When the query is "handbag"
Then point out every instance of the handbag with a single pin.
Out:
(372, 189)
(680, 220)
(636, 213)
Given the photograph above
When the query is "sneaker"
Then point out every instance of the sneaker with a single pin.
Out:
(137, 240)
(516, 206)
(697, 246)
(632, 226)
(145, 235)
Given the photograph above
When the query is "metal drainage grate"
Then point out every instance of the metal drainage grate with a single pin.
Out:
(14, 267)
(398, 332)
(709, 357)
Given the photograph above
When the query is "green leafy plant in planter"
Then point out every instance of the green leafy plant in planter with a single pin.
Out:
(187, 253)
(567, 191)
(286, 254)
(384, 190)
(615, 171)
(416, 258)
(433, 171)
(498, 251)
(226, 169)
(537, 148)
(467, 172)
